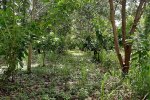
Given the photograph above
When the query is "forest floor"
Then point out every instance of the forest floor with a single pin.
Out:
(72, 76)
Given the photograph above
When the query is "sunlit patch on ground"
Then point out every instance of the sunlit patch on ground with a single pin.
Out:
(76, 53)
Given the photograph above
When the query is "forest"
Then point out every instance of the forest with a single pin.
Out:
(74, 50)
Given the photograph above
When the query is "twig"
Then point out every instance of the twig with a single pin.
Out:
(145, 96)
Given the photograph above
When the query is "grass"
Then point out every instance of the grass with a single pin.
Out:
(71, 76)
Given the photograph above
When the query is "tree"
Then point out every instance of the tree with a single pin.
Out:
(13, 43)
(125, 61)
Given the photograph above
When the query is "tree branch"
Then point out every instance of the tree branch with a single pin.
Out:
(123, 13)
(138, 15)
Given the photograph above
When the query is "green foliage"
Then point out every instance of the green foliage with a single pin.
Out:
(141, 66)
(84, 75)
(65, 71)
(83, 93)
(47, 43)
(109, 59)
(13, 47)
(102, 87)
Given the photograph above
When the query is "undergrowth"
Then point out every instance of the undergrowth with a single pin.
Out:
(72, 76)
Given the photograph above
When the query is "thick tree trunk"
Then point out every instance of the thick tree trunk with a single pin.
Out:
(126, 65)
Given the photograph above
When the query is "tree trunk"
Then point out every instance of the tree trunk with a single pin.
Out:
(44, 54)
(128, 46)
(116, 43)
(30, 45)
(29, 58)
(4, 4)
